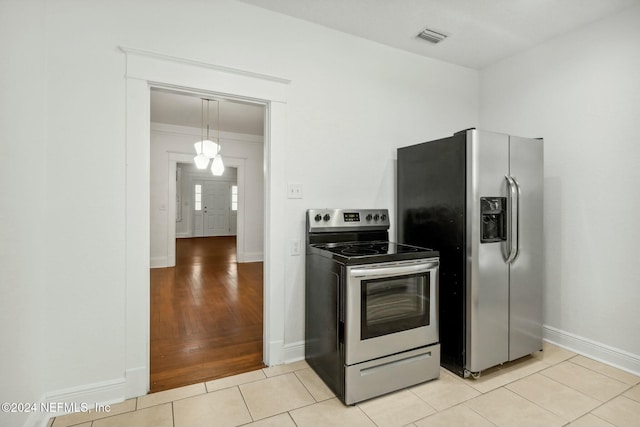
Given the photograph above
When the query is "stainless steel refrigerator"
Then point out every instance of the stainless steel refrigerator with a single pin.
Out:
(477, 198)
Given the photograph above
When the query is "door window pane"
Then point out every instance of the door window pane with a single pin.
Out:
(234, 197)
(198, 197)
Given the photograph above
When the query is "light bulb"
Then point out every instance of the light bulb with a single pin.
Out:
(210, 149)
(217, 166)
(201, 161)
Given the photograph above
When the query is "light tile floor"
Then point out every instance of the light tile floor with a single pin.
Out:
(554, 387)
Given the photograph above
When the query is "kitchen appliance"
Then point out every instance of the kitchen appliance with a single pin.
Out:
(476, 197)
(371, 313)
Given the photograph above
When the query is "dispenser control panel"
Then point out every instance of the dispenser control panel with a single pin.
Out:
(493, 217)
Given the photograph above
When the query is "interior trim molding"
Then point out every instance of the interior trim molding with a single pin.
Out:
(293, 352)
(102, 393)
(592, 349)
(250, 257)
(144, 70)
(159, 262)
(193, 62)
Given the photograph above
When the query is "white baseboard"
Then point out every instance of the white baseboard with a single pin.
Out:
(250, 257)
(293, 352)
(137, 382)
(594, 350)
(281, 353)
(158, 262)
(184, 235)
(276, 353)
(85, 396)
(101, 393)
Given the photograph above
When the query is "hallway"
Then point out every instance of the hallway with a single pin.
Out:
(206, 315)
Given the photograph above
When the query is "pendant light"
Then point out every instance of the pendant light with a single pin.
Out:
(217, 166)
(205, 148)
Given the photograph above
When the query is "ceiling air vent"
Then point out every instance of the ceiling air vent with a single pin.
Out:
(432, 36)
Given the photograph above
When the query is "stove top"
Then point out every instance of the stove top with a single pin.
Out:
(369, 252)
(354, 249)
(357, 236)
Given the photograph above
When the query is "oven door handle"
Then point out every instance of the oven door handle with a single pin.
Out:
(393, 270)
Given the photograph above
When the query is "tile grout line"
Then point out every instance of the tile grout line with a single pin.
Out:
(548, 410)
(504, 386)
(595, 372)
(629, 387)
(357, 405)
(600, 403)
(473, 410)
(245, 402)
(602, 373)
(291, 418)
(608, 401)
(307, 388)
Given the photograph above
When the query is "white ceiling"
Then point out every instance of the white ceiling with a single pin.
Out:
(181, 109)
(480, 32)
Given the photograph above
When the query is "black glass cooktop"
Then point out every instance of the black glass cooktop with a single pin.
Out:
(363, 249)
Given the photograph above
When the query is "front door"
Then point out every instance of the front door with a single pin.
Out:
(211, 208)
(216, 199)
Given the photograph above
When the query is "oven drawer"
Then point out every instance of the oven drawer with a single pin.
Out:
(374, 378)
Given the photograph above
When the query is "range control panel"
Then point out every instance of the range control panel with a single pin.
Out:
(347, 218)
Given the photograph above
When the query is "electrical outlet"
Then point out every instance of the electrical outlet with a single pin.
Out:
(294, 191)
(295, 247)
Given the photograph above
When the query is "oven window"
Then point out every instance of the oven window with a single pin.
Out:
(394, 304)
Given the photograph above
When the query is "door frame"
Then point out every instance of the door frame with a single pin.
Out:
(145, 69)
(234, 162)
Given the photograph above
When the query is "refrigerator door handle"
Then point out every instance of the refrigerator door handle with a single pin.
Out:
(513, 219)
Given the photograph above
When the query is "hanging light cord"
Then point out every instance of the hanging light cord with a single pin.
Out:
(218, 126)
(208, 115)
(202, 125)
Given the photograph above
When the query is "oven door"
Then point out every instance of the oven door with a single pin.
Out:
(391, 307)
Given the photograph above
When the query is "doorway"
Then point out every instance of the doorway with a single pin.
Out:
(200, 328)
(145, 70)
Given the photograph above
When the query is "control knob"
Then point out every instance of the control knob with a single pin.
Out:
(368, 218)
(318, 217)
(376, 217)
(326, 217)
(384, 217)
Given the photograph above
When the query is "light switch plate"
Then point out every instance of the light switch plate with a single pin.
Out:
(295, 247)
(294, 191)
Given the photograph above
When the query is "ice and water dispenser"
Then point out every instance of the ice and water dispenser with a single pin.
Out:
(493, 213)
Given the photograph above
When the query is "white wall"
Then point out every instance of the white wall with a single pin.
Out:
(167, 139)
(349, 105)
(22, 206)
(581, 92)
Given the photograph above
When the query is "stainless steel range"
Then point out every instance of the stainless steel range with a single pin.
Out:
(371, 305)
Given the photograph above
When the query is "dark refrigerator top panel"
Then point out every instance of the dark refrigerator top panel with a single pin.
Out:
(431, 209)
(431, 192)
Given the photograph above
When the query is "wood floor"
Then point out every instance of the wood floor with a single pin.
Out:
(206, 315)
